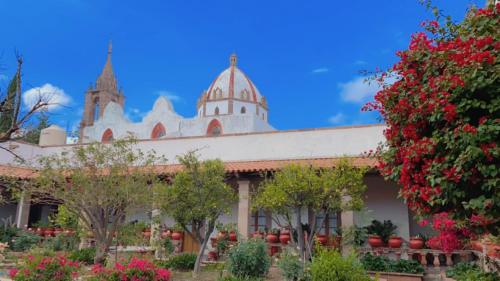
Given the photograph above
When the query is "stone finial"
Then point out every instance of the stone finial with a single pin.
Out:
(233, 60)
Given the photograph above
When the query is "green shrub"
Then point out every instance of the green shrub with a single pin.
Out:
(292, 268)
(406, 266)
(168, 246)
(24, 241)
(375, 263)
(329, 265)
(234, 278)
(470, 272)
(8, 232)
(383, 264)
(184, 261)
(249, 259)
(61, 242)
(85, 255)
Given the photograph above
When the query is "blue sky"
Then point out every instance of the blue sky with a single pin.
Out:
(304, 56)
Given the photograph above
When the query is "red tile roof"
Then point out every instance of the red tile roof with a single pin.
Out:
(231, 166)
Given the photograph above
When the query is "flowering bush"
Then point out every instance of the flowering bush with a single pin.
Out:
(443, 121)
(39, 268)
(135, 270)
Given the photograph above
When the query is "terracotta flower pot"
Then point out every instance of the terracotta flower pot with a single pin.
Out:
(272, 238)
(233, 236)
(48, 232)
(177, 235)
(375, 241)
(284, 238)
(212, 255)
(322, 239)
(146, 233)
(58, 231)
(258, 235)
(395, 242)
(416, 243)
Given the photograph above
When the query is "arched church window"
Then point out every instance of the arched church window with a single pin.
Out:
(216, 112)
(158, 131)
(214, 128)
(263, 116)
(243, 110)
(107, 136)
(96, 109)
(218, 93)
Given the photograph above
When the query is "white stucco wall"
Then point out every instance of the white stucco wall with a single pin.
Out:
(382, 203)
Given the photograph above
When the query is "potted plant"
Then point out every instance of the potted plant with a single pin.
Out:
(177, 232)
(273, 236)
(433, 243)
(212, 255)
(379, 230)
(416, 242)
(284, 236)
(492, 246)
(146, 232)
(259, 233)
(375, 241)
(166, 233)
(222, 231)
(395, 242)
(322, 239)
(233, 234)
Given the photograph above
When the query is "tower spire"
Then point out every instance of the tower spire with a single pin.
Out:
(107, 79)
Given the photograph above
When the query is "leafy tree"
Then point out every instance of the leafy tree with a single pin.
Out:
(12, 120)
(100, 184)
(443, 121)
(197, 197)
(295, 189)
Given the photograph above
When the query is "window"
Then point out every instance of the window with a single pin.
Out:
(216, 112)
(107, 136)
(158, 131)
(263, 116)
(243, 110)
(214, 128)
(258, 221)
(244, 94)
(330, 223)
(96, 110)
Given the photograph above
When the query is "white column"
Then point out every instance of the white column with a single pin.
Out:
(347, 221)
(244, 208)
(23, 211)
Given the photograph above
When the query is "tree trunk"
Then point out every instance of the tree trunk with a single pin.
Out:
(203, 246)
(300, 232)
(100, 253)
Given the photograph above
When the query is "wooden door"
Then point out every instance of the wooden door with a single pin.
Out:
(190, 245)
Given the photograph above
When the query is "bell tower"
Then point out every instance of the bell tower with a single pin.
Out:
(97, 97)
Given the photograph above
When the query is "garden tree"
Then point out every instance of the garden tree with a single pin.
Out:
(296, 189)
(197, 197)
(12, 118)
(100, 184)
(443, 123)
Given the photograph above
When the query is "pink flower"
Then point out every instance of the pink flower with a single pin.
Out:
(13, 272)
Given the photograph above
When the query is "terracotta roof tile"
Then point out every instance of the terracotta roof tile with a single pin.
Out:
(231, 166)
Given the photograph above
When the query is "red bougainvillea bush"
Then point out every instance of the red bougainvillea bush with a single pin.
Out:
(443, 122)
(135, 270)
(39, 268)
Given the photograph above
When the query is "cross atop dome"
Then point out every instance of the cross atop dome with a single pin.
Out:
(233, 59)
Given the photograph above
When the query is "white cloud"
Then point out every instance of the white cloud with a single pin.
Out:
(169, 95)
(337, 118)
(361, 89)
(320, 70)
(3, 77)
(56, 97)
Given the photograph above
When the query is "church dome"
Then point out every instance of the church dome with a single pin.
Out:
(232, 83)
